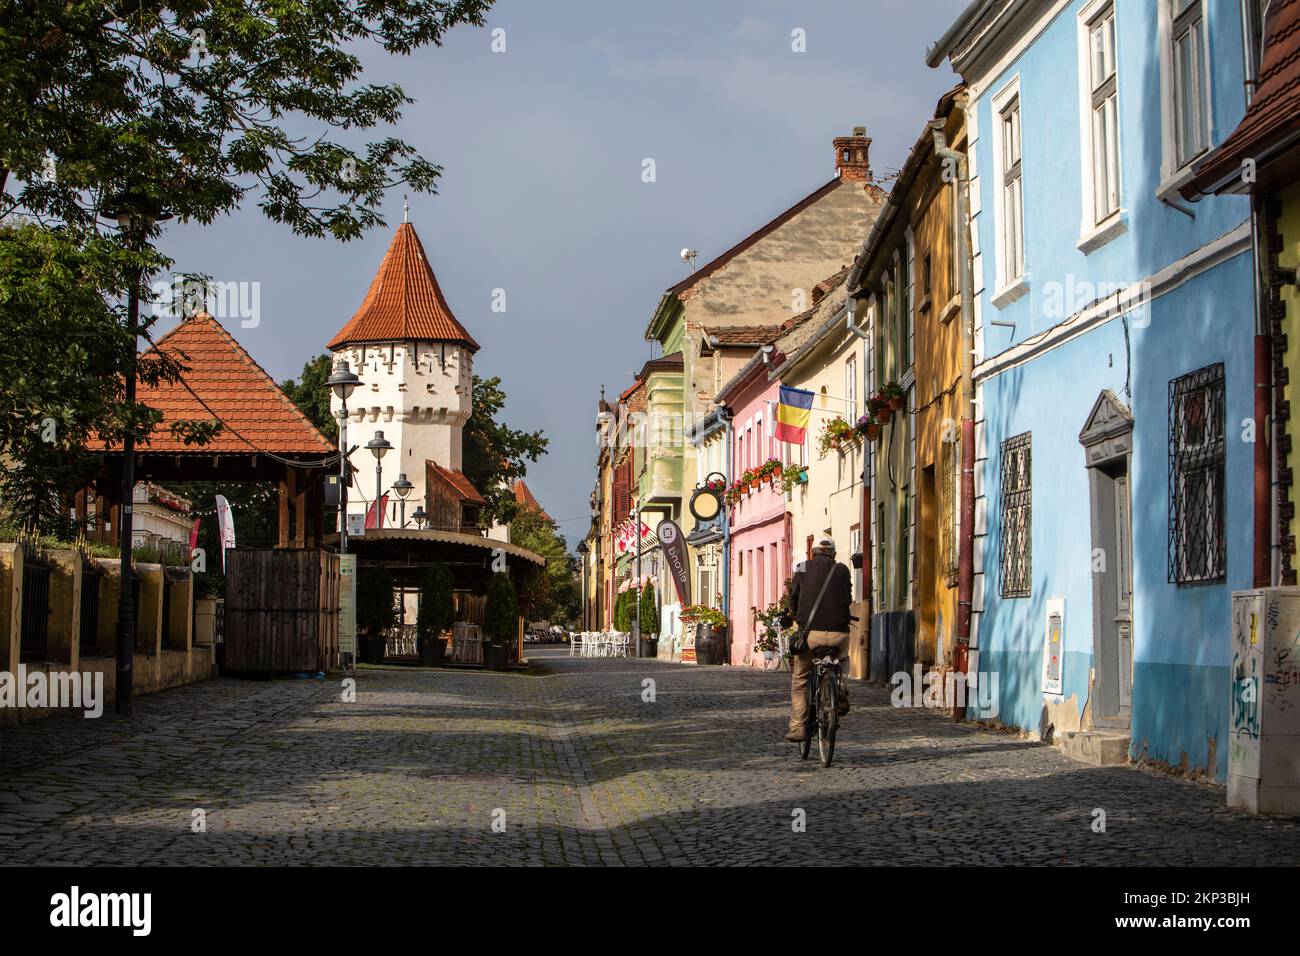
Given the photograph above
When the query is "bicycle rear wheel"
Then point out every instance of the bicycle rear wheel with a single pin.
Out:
(828, 719)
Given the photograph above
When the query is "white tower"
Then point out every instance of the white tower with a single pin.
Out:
(415, 362)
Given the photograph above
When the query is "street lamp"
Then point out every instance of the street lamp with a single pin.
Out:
(379, 446)
(419, 517)
(583, 551)
(136, 215)
(343, 382)
(402, 488)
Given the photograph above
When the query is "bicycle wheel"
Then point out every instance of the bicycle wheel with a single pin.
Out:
(828, 719)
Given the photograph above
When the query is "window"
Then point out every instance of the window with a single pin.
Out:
(1013, 229)
(1191, 99)
(1197, 546)
(949, 507)
(1103, 86)
(1017, 496)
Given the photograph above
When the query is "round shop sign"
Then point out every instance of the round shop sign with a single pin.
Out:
(705, 505)
(667, 533)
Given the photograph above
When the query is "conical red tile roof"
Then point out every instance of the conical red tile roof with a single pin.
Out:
(404, 302)
(223, 382)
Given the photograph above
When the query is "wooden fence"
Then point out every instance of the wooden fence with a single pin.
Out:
(281, 611)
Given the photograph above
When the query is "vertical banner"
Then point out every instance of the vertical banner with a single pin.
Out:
(673, 543)
(194, 536)
(225, 528)
(347, 605)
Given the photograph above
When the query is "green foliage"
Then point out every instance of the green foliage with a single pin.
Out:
(437, 602)
(551, 594)
(494, 455)
(312, 396)
(625, 610)
(501, 615)
(649, 611)
(375, 600)
(110, 88)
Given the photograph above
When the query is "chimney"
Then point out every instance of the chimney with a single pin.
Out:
(851, 156)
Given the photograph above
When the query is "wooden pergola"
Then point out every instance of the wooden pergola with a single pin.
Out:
(264, 437)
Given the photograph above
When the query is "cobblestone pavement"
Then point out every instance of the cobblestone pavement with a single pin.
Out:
(580, 770)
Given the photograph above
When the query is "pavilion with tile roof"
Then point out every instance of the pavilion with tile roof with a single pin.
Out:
(263, 436)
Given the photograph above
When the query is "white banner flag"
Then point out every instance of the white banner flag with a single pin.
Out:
(225, 528)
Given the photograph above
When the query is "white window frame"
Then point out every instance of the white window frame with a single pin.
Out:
(1009, 287)
(1172, 173)
(1099, 226)
(851, 388)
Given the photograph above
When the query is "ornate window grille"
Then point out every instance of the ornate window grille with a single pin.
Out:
(1197, 545)
(1017, 495)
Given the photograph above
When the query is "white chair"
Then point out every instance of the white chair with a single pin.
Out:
(577, 642)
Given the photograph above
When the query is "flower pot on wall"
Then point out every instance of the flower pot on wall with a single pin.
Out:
(873, 432)
(896, 403)
(883, 415)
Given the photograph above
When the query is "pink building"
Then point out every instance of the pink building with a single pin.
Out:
(760, 554)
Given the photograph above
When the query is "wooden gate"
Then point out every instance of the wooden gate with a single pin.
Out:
(281, 611)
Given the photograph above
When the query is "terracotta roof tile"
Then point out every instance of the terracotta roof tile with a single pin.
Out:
(1274, 112)
(742, 334)
(524, 495)
(458, 482)
(405, 302)
(224, 382)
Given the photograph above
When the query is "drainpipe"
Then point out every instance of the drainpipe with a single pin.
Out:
(966, 540)
(725, 412)
(851, 305)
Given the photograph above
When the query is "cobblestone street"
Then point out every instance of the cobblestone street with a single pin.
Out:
(585, 772)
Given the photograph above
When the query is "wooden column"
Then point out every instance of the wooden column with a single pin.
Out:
(298, 494)
(283, 539)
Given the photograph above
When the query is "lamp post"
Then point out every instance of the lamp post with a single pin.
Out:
(342, 382)
(402, 488)
(419, 517)
(636, 529)
(136, 215)
(379, 446)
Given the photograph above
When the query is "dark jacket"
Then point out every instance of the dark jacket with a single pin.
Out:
(833, 613)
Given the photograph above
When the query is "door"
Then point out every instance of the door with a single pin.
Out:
(1112, 595)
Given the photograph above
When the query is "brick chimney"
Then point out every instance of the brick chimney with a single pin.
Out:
(851, 156)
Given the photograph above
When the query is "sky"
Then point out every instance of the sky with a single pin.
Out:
(542, 148)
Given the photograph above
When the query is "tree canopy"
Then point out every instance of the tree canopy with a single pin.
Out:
(493, 454)
(312, 396)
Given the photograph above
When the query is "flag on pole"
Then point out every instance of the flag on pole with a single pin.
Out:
(375, 513)
(194, 536)
(225, 528)
(792, 414)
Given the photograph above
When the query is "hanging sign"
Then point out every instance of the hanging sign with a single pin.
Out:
(673, 543)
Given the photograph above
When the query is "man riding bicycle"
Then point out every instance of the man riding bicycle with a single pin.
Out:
(829, 627)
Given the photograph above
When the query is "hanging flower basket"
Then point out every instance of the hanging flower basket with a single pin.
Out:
(894, 395)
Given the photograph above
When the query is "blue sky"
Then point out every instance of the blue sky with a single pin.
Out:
(542, 196)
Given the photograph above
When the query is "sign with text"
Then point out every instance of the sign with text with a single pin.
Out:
(347, 604)
(673, 543)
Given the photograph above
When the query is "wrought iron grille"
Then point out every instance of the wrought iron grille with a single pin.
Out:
(35, 625)
(1017, 496)
(1197, 545)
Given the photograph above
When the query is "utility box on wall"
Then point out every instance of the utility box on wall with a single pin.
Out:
(1264, 712)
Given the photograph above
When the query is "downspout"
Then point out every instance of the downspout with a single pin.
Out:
(966, 540)
(726, 533)
(868, 590)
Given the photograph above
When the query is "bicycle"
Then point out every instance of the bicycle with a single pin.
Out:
(823, 704)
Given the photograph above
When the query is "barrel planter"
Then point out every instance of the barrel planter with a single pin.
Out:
(648, 647)
(710, 644)
(495, 656)
(373, 648)
(433, 651)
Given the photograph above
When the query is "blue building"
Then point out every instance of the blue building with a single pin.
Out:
(1114, 329)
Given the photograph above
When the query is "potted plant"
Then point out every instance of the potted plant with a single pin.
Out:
(437, 613)
(878, 408)
(768, 641)
(710, 632)
(500, 622)
(894, 394)
(732, 496)
(793, 477)
(868, 427)
(374, 612)
(648, 644)
(836, 434)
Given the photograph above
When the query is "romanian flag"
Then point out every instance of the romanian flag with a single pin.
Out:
(792, 414)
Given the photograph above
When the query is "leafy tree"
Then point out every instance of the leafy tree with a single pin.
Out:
(437, 602)
(501, 615)
(256, 512)
(649, 611)
(552, 592)
(312, 396)
(375, 600)
(189, 107)
(494, 455)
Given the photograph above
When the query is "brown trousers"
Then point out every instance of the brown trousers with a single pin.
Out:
(801, 666)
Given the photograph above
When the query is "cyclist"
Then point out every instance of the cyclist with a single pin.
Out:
(829, 627)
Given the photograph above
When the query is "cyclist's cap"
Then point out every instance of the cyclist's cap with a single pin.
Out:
(826, 544)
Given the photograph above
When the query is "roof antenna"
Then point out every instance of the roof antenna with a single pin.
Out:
(406, 209)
